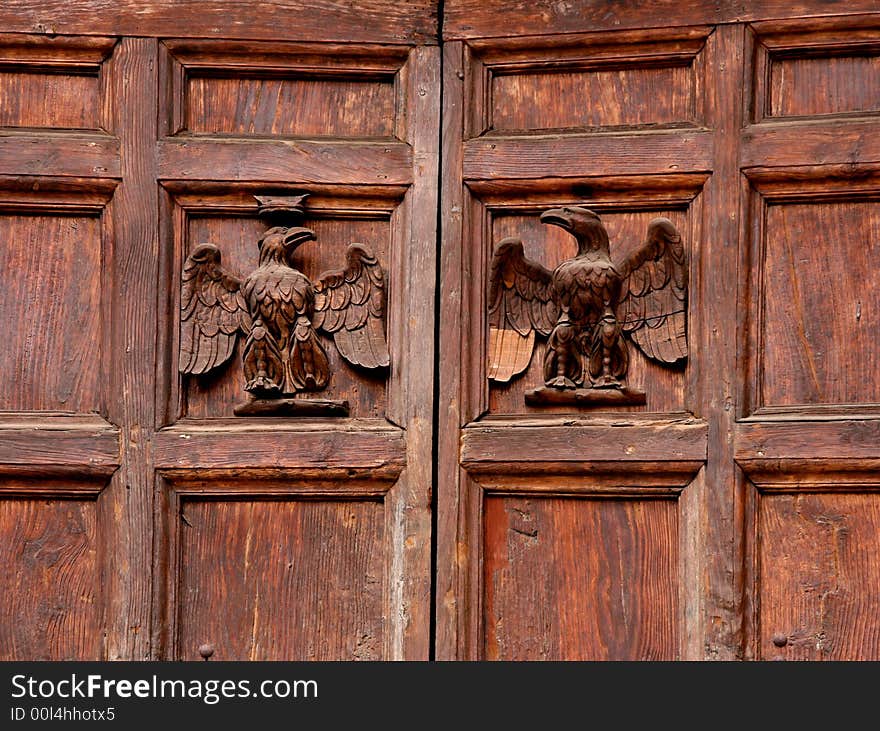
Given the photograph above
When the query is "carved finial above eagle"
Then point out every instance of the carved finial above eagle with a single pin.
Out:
(584, 307)
(281, 312)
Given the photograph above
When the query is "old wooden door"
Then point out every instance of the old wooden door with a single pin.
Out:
(139, 518)
(736, 513)
(733, 515)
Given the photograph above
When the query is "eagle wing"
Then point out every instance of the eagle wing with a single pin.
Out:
(212, 312)
(520, 304)
(350, 306)
(653, 298)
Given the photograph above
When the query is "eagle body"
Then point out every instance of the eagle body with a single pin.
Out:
(278, 295)
(282, 353)
(585, 286)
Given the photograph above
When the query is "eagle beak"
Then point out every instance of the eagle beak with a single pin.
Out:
(556, 217)
(296, 236)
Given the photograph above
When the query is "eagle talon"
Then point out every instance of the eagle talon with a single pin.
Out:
(607, 382)
(262, 387)
(561, 382)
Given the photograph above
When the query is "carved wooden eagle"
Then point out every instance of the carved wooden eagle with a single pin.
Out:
(587, 303)
(280, 311)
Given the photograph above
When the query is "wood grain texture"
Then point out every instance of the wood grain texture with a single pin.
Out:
(411, 388)
(587, 156)
(49, 582)
(716, 633)
(50, 287)
(454, 598)
(819, 582)
(626, 97)
(616, 441)
(282, 580)
(796, 438)
(32, 98)
(308, 107)
(820, 342)
(571, 579)
(377, 21)
(830, 85)
(285, 445)
(76, 445)
(81, 156)
(809, 144)
(287, 163)
(126, 508)
(478, 19)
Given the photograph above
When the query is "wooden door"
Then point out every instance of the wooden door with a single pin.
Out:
(139, 517)
(735, 513)
(732, 515)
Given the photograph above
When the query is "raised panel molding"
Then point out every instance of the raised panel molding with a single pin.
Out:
(310, 577)
(626, 204)
(812, 336)
(234, 89)
(811, 548)
(831, 69)
(507, 575)
(228, 216)
(56, 356)
(514, 84)
(57, 82)
(52, 554)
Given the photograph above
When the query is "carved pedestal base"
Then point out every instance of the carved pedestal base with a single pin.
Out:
(292, 406)
(585, 397)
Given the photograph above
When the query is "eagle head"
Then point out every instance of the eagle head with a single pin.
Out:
(582, 223)
(279, 243)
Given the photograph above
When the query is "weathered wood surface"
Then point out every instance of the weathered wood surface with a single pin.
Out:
(819, 577)
(623, 441)
(370, 21)
(612, 590)
(300, 162)
(475, 19)
(126, 511)
(587, 156)
(50, 586)
(296, 580)
(283, 446)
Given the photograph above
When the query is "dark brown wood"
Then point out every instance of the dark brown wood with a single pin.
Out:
(304, 162)
(588, 397)
(126, 510)
(82, 156)
(850, 440)
(810, 143)
(818, 576)
(60, 374)
(731, 515)
(222, 446)
(292, 407)
(717, 632)
(78, 445)
(218, 212)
